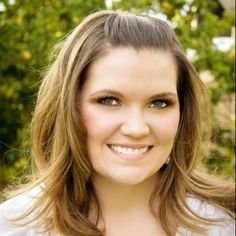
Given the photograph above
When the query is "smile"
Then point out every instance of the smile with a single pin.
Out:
(128, 151)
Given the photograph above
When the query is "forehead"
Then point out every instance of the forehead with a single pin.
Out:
(131, 68)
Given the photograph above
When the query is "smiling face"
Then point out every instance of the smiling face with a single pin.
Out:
(129, 106)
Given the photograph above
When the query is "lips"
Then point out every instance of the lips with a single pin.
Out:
(130, 151)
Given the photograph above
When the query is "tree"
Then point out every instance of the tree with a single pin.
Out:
(28, 31)
(30, 28)
(198, 23)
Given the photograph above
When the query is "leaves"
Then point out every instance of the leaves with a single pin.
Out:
(28, 31)
(30, 28)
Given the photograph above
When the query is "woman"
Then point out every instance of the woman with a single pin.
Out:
(117, 138)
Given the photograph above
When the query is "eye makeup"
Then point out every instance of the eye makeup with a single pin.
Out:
(114, 98)
(108, 100)
(161, 103)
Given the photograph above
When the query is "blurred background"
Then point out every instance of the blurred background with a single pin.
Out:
(30, 28)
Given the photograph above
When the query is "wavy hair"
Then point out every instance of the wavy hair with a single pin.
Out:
(59, 138)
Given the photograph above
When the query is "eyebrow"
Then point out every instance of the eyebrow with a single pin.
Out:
(116, 93)
(107, 91)
(164, 95)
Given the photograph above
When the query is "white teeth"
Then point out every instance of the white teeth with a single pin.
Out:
(129, 151)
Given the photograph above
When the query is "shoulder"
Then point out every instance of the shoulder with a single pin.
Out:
(14, 208)
(206, 209)
(226, 225)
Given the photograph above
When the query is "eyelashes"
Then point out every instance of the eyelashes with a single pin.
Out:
(114, 101)
(161, 103)
(108, 100)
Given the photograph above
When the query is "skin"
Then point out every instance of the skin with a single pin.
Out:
(129, 106)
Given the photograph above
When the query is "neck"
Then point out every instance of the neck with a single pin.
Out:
(118, 198)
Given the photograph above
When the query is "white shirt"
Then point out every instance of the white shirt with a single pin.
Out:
(18, 205)
(204, 209)
(15, 207)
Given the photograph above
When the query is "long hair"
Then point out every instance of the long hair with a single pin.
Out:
(59, 138)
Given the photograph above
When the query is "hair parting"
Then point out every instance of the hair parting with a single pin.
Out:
(59, 139)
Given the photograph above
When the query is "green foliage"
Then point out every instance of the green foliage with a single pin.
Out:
(30, 28)
(196, 23)
(28, 31)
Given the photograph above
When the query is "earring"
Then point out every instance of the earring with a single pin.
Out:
(167, 160)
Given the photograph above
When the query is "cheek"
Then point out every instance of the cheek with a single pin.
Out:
(166, 127)
(98, 123)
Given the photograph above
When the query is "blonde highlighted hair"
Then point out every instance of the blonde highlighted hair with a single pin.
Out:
(59, 138)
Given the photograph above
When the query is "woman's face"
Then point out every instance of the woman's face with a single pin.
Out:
(129, 105)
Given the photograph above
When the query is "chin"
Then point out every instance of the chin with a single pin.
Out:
(131, 179)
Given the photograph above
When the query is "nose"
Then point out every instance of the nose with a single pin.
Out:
(135, 125)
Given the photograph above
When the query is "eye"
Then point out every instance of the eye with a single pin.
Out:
(159, 104)
(109, 101)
